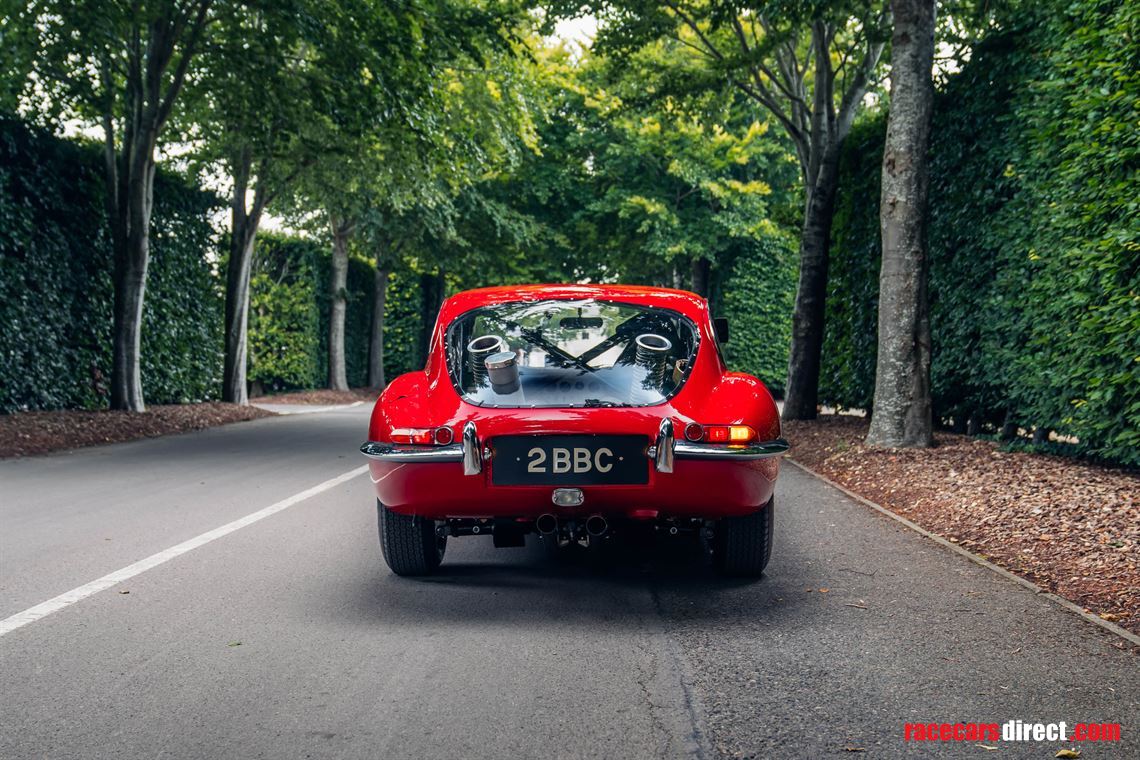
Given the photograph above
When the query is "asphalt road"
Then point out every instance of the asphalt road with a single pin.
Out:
(289, 638)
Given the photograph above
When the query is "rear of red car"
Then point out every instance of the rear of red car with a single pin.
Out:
(569, 410)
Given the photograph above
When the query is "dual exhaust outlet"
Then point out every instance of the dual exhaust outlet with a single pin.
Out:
(596, 525)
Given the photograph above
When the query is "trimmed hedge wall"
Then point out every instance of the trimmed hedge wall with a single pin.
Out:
(55, 281)
(289, 310)
(56, 291)
(284, 319)
(1034, 236)
(758, 298)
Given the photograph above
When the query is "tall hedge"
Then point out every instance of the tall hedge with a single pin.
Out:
(402, 323)
(758, 298)
(55, 281)
(288, 327)
(1034, 235)
(284, 320)
(56, 291)
(847, 372)
(1082, 178)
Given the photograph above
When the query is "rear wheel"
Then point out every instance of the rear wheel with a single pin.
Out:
(409, 542)
(742, 545)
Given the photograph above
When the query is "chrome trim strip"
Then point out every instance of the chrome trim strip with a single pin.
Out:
(762, 450)
(663, 451)
(472, 451)
(472, 457)
(394, 452)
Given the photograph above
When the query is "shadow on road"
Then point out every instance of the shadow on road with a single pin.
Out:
(527, 586)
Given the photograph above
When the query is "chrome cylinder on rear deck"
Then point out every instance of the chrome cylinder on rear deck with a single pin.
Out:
(651, 353)
(477, 352)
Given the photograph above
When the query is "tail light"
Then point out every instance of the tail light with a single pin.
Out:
(729, 434)
(440, 436)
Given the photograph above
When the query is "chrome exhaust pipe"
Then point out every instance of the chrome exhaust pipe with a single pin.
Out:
(477, 351)
(597, 526)
(650, 353)
(546, 524)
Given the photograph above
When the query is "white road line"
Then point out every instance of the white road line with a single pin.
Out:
(66, 599)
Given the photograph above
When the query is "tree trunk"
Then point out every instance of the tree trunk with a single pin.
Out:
(243, 233)
(130, 289)
(802, 399)
(1009, 427)
(234, 388)
(132, 256)
(902, 406)
(699, 277)
(1041, 435)
(338, 284)
(376, 336)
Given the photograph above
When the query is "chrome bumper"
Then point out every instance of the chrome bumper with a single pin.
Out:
(394, 452)
(663, 452)
(762, 450)
(467, 451)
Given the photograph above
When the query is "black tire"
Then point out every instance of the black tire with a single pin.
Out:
(743, 545)
(409, 543)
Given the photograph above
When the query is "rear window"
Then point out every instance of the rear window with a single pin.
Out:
(561, 353)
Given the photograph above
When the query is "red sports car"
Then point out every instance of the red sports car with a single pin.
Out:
(574, 411)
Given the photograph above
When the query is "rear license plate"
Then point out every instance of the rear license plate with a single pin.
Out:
(569, 460)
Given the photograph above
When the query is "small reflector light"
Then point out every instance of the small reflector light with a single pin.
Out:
(568, 497)
(694, 431)
(444, 435)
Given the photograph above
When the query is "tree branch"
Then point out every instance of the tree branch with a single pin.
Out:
(759, 64)
(689, 22)
(764, 98)
(184, 62)
(858, 87)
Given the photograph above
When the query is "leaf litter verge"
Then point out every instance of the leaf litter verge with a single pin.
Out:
(1066, 529)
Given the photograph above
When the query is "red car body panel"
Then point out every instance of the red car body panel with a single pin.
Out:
(697, 488)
